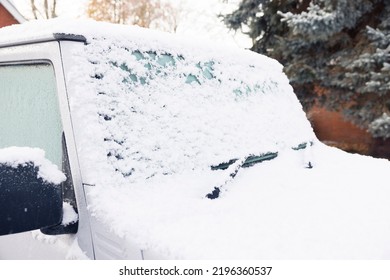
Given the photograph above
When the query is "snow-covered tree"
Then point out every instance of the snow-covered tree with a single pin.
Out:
(336, 52)
(381, 126)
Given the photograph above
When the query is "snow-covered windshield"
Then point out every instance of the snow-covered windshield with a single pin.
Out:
(154, 116)
(163, 111)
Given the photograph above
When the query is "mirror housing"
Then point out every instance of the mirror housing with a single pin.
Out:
(27, 202)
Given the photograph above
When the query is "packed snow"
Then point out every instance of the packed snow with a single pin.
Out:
(14, 156)
(152, 114)
(69, 215)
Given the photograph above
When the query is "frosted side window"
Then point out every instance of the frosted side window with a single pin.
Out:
(29, 111)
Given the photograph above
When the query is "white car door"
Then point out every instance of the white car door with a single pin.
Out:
(33, 113)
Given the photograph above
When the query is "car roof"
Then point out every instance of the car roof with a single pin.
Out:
(81, 30)
(41, 39)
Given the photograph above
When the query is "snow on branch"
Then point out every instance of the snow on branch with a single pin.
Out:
(322, 20)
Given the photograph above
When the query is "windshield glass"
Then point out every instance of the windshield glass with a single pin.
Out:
(163, 111)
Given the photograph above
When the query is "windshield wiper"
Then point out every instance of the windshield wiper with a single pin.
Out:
(236, 165)
(248, 162)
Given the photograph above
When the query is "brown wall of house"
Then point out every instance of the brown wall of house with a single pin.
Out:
(332, 129)
(6, 18)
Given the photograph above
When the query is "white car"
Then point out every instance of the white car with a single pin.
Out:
(124, 143)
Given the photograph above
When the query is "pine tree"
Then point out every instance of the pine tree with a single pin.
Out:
(336, 52)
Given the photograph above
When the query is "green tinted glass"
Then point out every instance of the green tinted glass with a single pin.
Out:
(29, 111)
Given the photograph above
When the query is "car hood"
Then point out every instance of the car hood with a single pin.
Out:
(278, 209)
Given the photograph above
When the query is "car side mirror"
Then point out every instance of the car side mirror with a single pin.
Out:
(28, 201)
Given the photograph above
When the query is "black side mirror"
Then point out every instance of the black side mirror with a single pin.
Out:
(27, 202)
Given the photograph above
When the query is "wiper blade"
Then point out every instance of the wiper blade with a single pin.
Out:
(246, 162)
(223, 165)
(215, 193)
(301, 146)
(252, 160)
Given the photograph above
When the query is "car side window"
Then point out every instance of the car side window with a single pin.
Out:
(30, 117)
(29, 109)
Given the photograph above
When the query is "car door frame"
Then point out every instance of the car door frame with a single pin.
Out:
(49, 50)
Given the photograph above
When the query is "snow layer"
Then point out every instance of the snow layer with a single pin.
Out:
(152, 113)
(70, 216)
(274, 210)
(14, 156)
(160, 113)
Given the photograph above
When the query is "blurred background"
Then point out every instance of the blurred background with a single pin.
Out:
(198, 18)
(336, 53)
